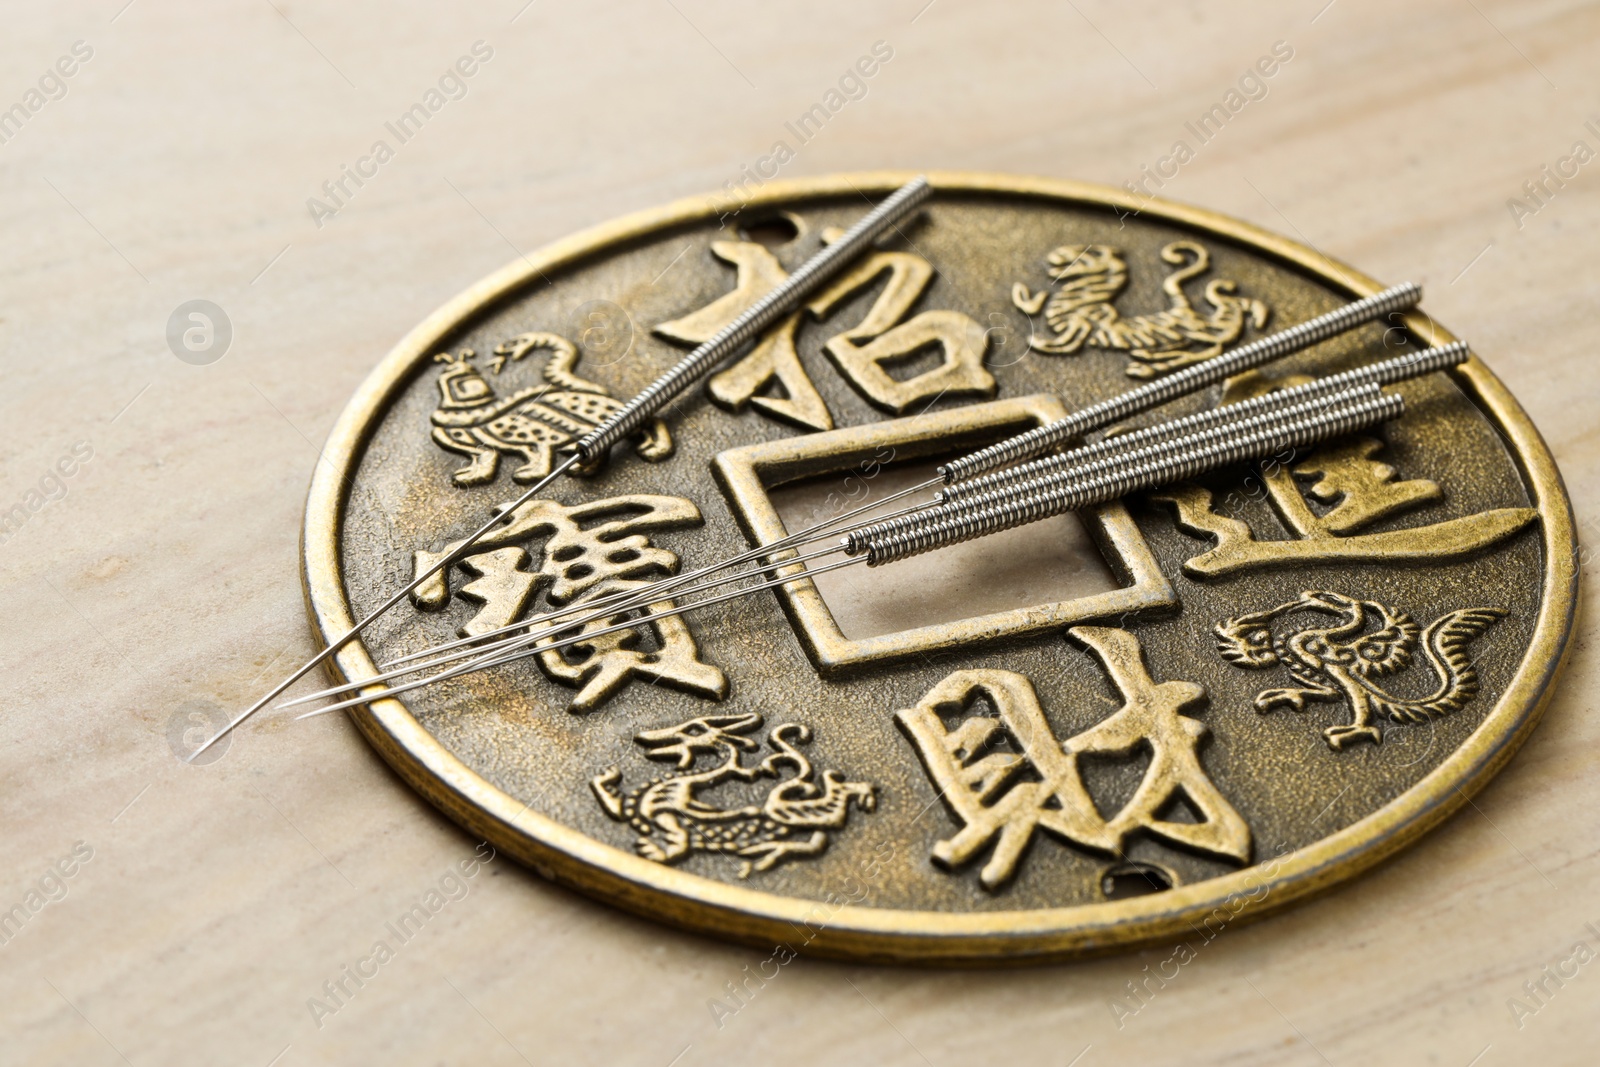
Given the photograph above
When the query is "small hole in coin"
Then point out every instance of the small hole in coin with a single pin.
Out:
(772, 232)
(1134, 880)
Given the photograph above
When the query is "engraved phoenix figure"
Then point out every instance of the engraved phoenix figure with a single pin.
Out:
(1343, 660)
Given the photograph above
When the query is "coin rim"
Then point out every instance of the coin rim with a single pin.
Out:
(855, 932)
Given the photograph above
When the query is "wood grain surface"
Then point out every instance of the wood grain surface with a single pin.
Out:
(159, 579)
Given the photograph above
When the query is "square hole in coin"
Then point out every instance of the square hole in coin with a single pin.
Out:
(1047, 561)
(1037, 580)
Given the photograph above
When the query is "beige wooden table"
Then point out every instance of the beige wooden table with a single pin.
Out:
(176, 163)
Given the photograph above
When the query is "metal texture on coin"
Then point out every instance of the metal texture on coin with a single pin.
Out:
(1174, 713)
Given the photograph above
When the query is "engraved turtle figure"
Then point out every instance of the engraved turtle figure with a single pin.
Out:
(673, 821)
(532, 423)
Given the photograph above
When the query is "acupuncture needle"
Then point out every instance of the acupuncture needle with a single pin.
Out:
(1098, 416)
(1291, 408)
(1302, 414)
(1136, 470)
(749, 324)
(988, 489)
(609, 606)
(996, 484)
(633, 599)
(1051, 500)
(1385, 372)
(1115, 409)
(1133, 471)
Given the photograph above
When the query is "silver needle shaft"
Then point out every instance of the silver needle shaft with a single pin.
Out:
(636, 598)
(334, 645)
(622, 601)
(1132, 471)
(494, 659)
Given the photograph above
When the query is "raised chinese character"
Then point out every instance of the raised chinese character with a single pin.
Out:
(880, 340)
(1366, 490)
(582, 561)
(1005, 776)
(865, 354)
(773, 363)
(1362, 490)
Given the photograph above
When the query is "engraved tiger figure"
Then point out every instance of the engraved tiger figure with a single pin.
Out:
(531, 423)
(1079, 309)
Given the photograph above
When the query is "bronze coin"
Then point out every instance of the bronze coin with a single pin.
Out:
(1155, 719)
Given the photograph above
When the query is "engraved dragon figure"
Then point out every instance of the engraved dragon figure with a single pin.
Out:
(673, 818)
(530, 423)
(1343, 660)
(1079, 309)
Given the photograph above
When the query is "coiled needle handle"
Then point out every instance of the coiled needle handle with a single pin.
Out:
(1038, 441)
